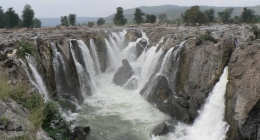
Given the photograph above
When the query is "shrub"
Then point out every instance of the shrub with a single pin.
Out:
(54, 124)
(24, 47)
(207, 36)
(5, 88)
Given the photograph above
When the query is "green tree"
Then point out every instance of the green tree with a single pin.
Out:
(27, 15)
(37, 23)
(72, 19)
(12, 18)
(210, 14)
(225, 16)
(119, 18)
(101, 21)
(150, 18)
(194, 15)
(91, 24)
(163, 18)
(138, 16)
(248, 16)
(2, 18)
(64, 21)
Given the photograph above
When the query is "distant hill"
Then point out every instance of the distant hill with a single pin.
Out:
(174, 11)
(49, 22)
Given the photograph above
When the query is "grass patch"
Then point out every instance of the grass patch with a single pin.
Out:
(24, 47)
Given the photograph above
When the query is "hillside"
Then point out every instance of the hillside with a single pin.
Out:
(174, 11)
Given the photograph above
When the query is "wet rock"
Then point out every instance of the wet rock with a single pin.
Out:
(123, 73)
(161, 129)
(140, 46)
(81, 132)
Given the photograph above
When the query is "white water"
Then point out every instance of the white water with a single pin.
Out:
(115, 113)
(166, 64)
(37, 79)
(82, 76)
(112, 60)
(95, 55)
(210, 124)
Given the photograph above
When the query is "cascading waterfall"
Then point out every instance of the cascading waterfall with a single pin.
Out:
(37, 79)
(210, 124)
(59, 68)
(113, 61)
(108, 109)
(89, 63)
(94, 55)
(83, 78)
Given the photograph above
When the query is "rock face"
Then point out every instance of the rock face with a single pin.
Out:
(242, 97)
(81, 132)
(13, 119)
(123, 73)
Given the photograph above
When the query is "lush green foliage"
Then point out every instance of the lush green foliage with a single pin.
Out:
(2, 18)
(210, 14)
(119, 18)
(54, 123)
(91, 24)
(12, 18)
(72, 19)
(23, 47)
(37, 23)
(162, 18)
(194, 15)
(150, 18)
(101, 21)
(248, 16)
(138, 16)
(64, 21)
(28, 15)
(225, 16)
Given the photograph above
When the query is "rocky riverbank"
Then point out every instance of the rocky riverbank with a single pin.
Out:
(195, 66)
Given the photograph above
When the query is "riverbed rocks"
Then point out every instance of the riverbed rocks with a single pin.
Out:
(81, 132)
(123, 73)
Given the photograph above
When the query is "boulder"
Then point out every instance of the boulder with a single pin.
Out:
(161, 129)
(123, 73)
(13, 126)
(81, 132)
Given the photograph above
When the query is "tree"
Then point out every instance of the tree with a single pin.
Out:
(225, 16)
(194, 15)
(248, 16)
(210, 14)
(91, 24)
(12, 18)
(101, 21)
(37, 23)
(2, 18)
(28, 15)
(119, 18)
(162, 18)
(150, 18)
(64, 21)
(72, 19)
(138, 16)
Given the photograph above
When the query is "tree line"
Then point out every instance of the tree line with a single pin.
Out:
(192, 16)
(10, 19)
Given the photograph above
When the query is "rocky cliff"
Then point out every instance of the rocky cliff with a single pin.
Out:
(197, 59)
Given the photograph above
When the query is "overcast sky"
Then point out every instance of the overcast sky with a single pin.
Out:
(103, 8)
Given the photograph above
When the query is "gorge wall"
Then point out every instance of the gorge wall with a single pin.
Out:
(178, 88)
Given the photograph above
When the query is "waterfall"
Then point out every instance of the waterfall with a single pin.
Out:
(115, 48)
(120, 38)
(210, 124)
(166, 64)
(37, 79)
(83, 75)
(89, 63)
(94, 55)
(112, 60)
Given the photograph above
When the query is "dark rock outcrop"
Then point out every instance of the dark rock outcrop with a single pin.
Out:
(242, 96)
(161, 129)
(81, 132)
(123, 73)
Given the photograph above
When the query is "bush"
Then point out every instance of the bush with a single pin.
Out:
(256, 31)
(207, 36)
(24, 47)
(54, 124)
(91, 24)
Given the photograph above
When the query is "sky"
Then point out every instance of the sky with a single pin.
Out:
(104, 8)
